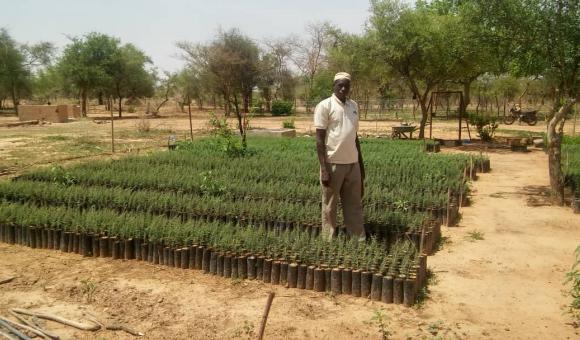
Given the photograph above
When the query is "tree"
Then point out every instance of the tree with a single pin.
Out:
(505, 88)
(128, 76)
(267, 78)
(16, 66)
(471, 52)
(165, 88)
(321, 85)
(544, 41)
(275, 66)
(87, 63)
(230, 63)
(241, 56)
(47, 84)
(188, 86)
(14, 76)
(413, 42)
(354, 54)
(309, 56)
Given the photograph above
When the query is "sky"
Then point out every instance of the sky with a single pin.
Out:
(155, 25)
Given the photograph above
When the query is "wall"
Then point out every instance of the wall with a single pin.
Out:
(50, 113)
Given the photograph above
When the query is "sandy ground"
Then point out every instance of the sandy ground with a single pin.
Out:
(509, 285)
(25, 146)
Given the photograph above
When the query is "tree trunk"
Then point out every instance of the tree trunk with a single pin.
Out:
(160, 105)
(422, 101)
(241, 126)
(100, 97)
(267, 96)
(555, 134)
(190, 122)
(15, 101)
(424, 116)
(366, 104)
(120, 106)
(199, 103)
(84, 99)
(504, 105)
(112, 130)
(466, 95)
(247, 101)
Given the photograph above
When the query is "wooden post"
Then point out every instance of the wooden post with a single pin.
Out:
(190, 123)
(376, 126)
(265, 316)
(460, 115)
(448, 203)
(112, 131)
(574, 122)
(430, 111)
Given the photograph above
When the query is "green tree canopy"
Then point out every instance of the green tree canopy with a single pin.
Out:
(128, 74)
(87, 63)
(415, 44)
(16, 66)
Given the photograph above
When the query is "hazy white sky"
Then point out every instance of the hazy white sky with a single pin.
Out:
(155, 25)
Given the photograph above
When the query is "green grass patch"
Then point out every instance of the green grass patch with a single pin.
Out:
(475, 235)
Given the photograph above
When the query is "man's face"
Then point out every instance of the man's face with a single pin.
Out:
(341, 88)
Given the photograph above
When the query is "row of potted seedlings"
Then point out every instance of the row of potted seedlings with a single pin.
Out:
(241, 190)
(385, 224)
(420, 181)
(399, 285)
(292, 259)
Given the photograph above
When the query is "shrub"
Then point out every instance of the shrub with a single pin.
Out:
(485, 126)
(288, 123)
(281, 108)
(143, 125)
(226, 141)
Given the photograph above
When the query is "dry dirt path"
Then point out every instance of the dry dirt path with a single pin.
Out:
(506, 286)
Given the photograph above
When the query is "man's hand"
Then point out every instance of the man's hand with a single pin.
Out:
(321, 152)
(324, 177)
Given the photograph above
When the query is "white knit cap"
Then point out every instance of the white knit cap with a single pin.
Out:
(341, 75)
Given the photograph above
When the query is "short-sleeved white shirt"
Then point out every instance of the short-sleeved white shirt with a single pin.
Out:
(340, 120)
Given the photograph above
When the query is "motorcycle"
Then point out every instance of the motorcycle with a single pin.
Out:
(529, 117)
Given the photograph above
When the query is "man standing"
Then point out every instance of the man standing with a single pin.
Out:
(341, 165)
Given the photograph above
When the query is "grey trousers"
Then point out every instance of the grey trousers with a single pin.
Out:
(345, 182)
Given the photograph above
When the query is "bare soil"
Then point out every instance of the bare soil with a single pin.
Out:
(499, 275)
